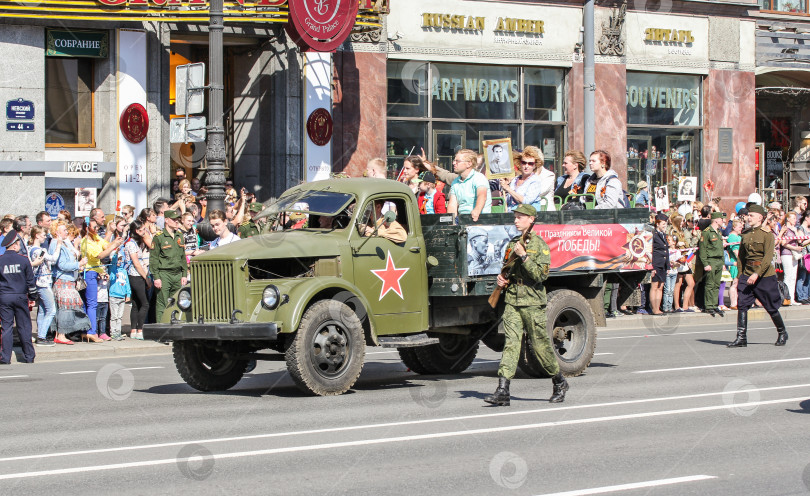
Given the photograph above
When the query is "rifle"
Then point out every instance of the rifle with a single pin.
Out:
(508, 268)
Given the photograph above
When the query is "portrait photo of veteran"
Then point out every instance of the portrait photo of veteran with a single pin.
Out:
(686, 189)
(499, 159)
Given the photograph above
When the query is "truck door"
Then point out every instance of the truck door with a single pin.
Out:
(391, 273)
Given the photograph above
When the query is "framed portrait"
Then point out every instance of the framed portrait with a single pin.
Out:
(661, 199)
(486, 246)
(687, 188)
(84, 201)
(498, 155)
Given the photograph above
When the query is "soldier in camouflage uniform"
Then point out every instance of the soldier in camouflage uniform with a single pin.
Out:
(249, 227)
(526, 310)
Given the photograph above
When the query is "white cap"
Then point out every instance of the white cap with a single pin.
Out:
(755, 198)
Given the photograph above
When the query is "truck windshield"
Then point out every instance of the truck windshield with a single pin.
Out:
(309, 202)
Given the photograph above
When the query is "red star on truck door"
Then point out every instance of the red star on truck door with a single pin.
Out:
(390, 277)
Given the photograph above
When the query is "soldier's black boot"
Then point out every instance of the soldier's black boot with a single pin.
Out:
(742, 329)
(560, 387)
(780, 328)
(501, 395)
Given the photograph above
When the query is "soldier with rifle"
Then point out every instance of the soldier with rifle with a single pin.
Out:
(526, 266)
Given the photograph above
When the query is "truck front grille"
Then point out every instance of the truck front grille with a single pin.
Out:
(212, 291)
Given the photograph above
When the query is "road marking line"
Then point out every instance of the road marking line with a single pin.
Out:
(12, 376)
(398, 439)
(78, 372)
(601, 354)
(654, 335)
(381, 352)
(397, 424)
(487, 361)
(721, 365)
(143, 368)
(635, 485)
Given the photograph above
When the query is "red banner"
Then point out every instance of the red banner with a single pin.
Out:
(597, 246)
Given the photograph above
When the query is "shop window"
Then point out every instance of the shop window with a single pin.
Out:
(403, 138)
(407, 89)
(660, 157)
(794, 6)
(663, 99)
(69, 101)
(544, 97)
(475, 92)
(548, 139)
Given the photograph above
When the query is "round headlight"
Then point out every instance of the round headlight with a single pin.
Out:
(184, 299)
(270, 297)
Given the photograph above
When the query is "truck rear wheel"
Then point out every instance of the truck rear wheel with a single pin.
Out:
(572, 330)
(206, 369)
(409, 358)
(326, 355)
(452, 355)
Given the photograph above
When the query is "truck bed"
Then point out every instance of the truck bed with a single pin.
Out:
(454, 276)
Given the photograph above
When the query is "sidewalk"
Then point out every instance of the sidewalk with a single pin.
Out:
(656, 325)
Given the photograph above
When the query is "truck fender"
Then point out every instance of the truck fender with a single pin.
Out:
(304, 295)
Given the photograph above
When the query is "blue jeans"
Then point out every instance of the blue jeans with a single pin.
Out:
(669, 290)
(101, 316)
(46, 311)
(803, 284)
(91, 299)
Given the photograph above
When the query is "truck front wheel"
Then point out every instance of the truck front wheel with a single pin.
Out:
(206, 369)
(572, 330)
(452, 355)
(326, 354)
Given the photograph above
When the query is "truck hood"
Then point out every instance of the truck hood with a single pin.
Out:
(281, 245)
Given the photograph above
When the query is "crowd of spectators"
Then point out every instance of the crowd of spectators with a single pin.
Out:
(87, 270)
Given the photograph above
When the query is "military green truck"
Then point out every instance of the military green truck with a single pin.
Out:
(322, 282)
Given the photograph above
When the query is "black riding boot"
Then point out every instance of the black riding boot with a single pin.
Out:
(501, 395)
(560, 387)
(742, 329)
(780, 328)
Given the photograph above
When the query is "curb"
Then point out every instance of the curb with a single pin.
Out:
(697, 318)
(84, 351)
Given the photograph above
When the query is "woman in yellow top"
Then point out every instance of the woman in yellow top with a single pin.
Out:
(95, 248)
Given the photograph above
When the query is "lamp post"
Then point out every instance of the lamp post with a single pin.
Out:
(215, 151)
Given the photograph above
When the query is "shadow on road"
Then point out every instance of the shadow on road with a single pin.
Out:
(805, 405)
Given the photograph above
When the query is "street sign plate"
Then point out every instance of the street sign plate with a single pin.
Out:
(194, 134)
(20, 109)
(19, 126)
(189, 89)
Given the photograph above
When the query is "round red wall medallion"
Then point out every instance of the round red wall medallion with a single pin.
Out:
(321, 25)
(320, 126)
(134, 123)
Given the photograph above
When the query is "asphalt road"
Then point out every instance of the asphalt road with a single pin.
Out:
(664, 409)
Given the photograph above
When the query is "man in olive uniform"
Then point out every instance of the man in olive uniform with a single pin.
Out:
(249, 227)
(526, 309)
(167, 261)
(710, 258)
(758, 279)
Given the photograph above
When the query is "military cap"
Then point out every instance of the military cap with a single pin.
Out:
(390, 216)
(688, 216)
(641, 185)
(718, 215)
(743, 211)
(661, 217)
(428, 177)
(256, 207)
(475, 232)
(757, 209)
(526, 210)
(171, 214)
(10, 238)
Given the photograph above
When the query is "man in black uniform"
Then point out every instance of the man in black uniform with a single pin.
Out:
(17, 285)
(758, 280)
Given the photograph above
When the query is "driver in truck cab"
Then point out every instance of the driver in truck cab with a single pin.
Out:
(387, 225)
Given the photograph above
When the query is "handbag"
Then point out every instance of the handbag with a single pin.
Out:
(784, 291)
(807, 261)
(81, 284)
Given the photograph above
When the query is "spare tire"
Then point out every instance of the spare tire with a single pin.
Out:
(572, 330)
